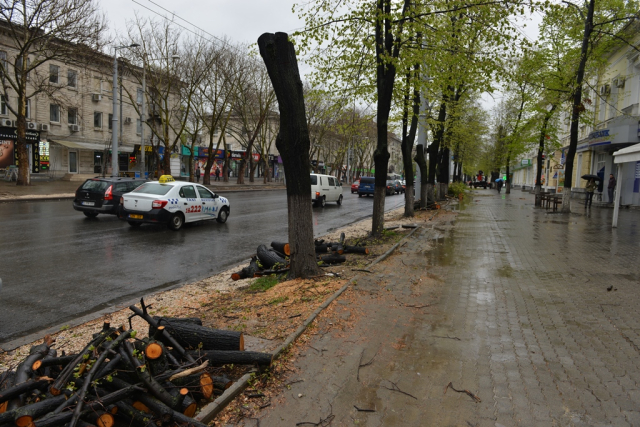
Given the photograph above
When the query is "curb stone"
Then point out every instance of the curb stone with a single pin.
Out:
(208, 413)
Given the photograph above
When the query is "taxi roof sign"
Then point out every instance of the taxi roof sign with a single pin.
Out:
(166, 178)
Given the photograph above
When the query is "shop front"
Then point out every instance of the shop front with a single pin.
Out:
(594, 155)
(75, 157)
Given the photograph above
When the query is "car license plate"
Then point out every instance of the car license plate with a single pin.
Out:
(132, 216)
(88, 203)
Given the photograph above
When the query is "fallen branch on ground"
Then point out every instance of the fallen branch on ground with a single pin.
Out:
(473, 396)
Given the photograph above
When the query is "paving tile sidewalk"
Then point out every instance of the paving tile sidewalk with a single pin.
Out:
(519, 316)
(41, 189)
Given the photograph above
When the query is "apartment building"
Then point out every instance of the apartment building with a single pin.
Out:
(612, 106)
(72, 124)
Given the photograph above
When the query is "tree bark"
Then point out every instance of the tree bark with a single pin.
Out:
(543, 134)
(424, 177)
(190, 335)
(293, 143)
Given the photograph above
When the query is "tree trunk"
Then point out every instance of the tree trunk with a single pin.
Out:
(575, 114)
(242, 166)
(293, 143)
(191, 335)
(543, 134)
(508, 182)
(424, 178)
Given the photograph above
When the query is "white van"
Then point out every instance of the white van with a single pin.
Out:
(325, 188)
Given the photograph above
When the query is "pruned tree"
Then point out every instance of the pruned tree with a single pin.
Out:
(252, 106)
(43, 31)
(293, 144)
(174, 68)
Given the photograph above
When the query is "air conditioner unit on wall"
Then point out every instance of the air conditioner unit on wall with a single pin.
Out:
(74, 128)
(6, 123)
(96, 97)
(127, 120)
(32, 126)
(605, 90)
(620, 82)
(44, 127)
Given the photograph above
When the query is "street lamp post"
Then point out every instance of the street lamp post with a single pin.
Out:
(114, 119)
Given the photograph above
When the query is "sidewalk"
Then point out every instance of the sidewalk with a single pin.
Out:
(533, 317)
(58, 189)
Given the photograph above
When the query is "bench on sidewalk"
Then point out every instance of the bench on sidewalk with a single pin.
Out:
(549, 200)
(542, 197)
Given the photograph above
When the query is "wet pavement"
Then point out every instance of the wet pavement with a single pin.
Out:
(42, 189)
(531, 316)
(57, 265)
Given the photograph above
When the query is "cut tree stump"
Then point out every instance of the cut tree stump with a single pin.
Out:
(283, 248)
(190, 335)
(269, 258)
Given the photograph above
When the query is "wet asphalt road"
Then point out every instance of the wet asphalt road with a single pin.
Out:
(57, 265)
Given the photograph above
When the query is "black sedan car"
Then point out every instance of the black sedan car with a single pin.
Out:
(102, 195)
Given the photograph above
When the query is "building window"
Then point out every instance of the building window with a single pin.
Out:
(28, 109)
(139, 96)
(110, 121)
(54, 113)
(53, 73)
(3, 61)
(19, 65)
(138, 126)
(72, 116)
(3, 105)
(97, 120)
(72, 78)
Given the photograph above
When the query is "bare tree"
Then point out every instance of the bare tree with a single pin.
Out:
(174, 66)
(42, 31)
(253, 104)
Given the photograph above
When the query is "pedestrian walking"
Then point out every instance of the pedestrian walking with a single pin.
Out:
(499, 185)
(611, 187)
(198, 173)
(217, 174)
(591, 188)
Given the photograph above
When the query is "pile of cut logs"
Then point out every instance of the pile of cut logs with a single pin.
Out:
(118, 379)
(275, 259)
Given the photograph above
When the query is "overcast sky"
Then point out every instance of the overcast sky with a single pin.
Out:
(239, 20)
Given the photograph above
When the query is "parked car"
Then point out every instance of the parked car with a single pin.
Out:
(354, 187)
(325, 188)
(173, 203)
(399, 189)
(102, 195)
(391, 187)
(367, 186)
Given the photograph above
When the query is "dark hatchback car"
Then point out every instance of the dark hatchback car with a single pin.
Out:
(102, 195)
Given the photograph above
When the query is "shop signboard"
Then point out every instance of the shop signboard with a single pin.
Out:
(204, 152)
(9, 156)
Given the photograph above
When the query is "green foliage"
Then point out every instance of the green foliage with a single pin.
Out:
(457, 188)
(264, 283)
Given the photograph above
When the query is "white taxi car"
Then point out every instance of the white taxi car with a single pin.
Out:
(171, 202)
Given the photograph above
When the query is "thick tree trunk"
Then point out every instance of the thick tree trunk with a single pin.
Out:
(293, 143)
(242, 166)
(575, 114)
(191, 335)
(424, 178)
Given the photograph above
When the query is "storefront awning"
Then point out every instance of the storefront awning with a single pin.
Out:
(92, 146)
(629, 154)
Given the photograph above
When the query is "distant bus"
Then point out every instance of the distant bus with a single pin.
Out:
(393, 176)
